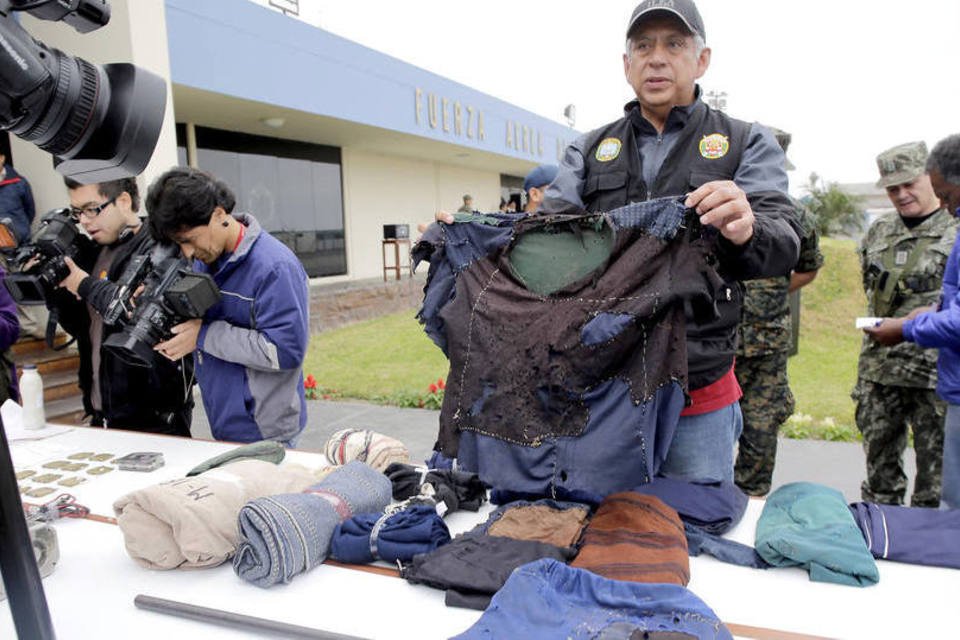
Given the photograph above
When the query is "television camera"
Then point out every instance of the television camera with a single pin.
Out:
(171, 294)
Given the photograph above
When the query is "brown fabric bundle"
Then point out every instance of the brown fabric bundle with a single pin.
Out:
(541, 523)
(635, 537)
(192, 522)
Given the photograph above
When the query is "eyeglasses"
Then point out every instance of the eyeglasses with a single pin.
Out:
(90, 212)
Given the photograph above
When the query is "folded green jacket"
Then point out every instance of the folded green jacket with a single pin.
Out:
(809, 525)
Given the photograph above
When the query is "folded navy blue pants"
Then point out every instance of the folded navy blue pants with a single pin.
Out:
(714, 507)
(910, 534)
(547, 599)
(399, 536)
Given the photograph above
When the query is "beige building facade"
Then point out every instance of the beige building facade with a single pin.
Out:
(325, 141)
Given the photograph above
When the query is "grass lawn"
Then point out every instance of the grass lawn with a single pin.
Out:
(390, 360)
(823, 373)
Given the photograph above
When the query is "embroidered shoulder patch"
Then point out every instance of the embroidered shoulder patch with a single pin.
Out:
(714, 146)
(608, 149)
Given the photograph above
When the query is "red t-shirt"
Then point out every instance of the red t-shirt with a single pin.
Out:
(715, 395)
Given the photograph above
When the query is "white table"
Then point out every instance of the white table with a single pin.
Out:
(90, 594)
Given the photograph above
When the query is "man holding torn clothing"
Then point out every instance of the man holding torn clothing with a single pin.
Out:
(671, 143)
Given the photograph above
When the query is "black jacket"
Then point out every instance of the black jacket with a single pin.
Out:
(159, 398)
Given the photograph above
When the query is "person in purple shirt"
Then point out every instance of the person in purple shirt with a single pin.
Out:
(940, 326)
(9, 332)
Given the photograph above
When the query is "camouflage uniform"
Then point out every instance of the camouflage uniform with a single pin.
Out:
(764, 343)
(902, 270)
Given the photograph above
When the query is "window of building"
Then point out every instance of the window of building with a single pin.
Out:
(292, 188)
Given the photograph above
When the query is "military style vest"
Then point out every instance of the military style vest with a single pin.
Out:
(612, 183)
(709, 148)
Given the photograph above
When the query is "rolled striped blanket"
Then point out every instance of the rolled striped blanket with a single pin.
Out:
(286, 535)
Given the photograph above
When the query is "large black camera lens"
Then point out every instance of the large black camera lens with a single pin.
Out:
(122, 131)
(101, 123)
(134, 344)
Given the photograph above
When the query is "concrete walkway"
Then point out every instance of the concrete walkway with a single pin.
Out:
(836, 464)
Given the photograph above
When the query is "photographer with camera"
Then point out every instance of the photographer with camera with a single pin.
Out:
(250, 347)
(157, 398)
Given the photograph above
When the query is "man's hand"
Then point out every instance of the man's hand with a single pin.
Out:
(30, 264)
(183, 342)
(921, 310)
(439, 216)
(888, 333)
(72, 282)
(724, 205)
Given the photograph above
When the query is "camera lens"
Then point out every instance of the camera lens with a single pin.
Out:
(100, 122)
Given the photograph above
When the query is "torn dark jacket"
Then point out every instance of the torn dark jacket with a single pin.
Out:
(575, 393)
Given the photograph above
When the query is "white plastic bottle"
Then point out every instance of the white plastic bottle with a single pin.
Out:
(31, 395)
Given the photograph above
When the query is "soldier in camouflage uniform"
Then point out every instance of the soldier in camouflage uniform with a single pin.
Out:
(764, 344)
(902, 256)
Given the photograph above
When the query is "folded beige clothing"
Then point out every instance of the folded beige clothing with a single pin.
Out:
(376, 449)
(192, 522)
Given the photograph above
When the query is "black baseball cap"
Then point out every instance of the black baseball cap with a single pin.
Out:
(686, 10)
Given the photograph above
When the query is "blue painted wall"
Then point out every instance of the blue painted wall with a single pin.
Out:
(238, 48)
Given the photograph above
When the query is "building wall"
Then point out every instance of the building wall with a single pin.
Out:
(136, 33)
(380, 189)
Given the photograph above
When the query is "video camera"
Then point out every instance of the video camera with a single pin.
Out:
(101, 123)
(56, 237)
(172, 293)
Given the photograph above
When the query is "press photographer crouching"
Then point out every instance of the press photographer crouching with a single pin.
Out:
(251, 345)
(157, 398)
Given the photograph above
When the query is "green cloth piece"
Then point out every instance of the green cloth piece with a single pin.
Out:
(809, 525)
(476, 218)
(548, 260)
(266, 450)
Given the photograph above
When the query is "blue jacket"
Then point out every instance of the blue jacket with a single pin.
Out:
(16, 203)
(252, 343)
(941, 329)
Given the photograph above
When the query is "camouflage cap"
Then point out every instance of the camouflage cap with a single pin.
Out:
(901, 164)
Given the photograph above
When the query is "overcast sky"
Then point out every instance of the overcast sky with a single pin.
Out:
(848, 78)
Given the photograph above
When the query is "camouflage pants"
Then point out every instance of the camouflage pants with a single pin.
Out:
(766, 404)
(884, 413)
